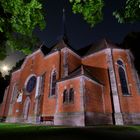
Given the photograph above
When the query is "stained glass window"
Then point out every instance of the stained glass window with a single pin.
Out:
(65, 96)
(71, 95)
(123, 78)
(53, 83)
(68, 96)
(14, 93)
(42, 83)
(31, 84)
(120, 62)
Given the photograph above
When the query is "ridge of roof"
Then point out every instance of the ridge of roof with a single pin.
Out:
(81, 70)
(99, 45)
(61, 43)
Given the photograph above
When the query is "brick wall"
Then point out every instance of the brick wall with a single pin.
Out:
(131, 102)
(99, 70)
(69, 107)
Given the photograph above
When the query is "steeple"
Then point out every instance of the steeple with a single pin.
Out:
(64, 31)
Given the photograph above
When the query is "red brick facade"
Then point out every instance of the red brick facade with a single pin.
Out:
(65, 88)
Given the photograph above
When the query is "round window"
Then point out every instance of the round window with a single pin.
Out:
(31, 84)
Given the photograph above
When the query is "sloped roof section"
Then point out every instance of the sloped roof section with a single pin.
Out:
(59, 44)
(81, 70)
(44, 49)
(62, 42)
(95, 47)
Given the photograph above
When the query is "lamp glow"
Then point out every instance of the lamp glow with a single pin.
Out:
(5, 68)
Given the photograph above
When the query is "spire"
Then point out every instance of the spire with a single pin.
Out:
(64, 32)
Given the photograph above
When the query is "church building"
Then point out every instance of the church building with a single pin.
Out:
(96, 85)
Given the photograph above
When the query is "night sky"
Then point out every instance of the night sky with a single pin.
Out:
(78, 31)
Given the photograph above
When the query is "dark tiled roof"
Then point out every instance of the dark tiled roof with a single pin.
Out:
(81, 70)
(95, 47)
(44, 49)
(83, 50)
(59, 44)
(62, 42)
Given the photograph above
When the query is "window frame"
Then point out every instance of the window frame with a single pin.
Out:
(122, 67)
(52, 83)
(26, 82)
(71, 95)
(67, 95)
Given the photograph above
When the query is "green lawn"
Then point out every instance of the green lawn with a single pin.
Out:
(26, 131)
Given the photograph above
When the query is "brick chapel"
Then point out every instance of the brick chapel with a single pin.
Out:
(60, 86)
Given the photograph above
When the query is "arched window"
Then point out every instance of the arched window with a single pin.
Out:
(123, 78)
(53, 83)
(71, 95)
(65, 96)
(26, 108)
(14, 93)
(42, 83)
(68, 97)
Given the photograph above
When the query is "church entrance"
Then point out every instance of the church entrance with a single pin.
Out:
(26, 108)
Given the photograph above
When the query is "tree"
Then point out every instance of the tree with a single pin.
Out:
(130, 13)
(18, 19)
(91, 10)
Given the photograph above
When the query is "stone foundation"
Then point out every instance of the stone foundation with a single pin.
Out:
(70, 119)
(31, 119)
(79, 119)
(118, 118)
(14, 119)
(131, 118)
(93, 118)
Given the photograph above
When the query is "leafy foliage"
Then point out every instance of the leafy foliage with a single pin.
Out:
(23, 43)
(20, 16)
(18, 19)
(130, 13)
(91, 10)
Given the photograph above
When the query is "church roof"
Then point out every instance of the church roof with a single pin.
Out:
(59, 44)
(81, 70)
(45, 50)
(95, 47)
(62, 42)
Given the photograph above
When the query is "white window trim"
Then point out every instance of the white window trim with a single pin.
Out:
(51, 76)
(124, 68)
(13, 92)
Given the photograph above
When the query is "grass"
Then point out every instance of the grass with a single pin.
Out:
(28, 131)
